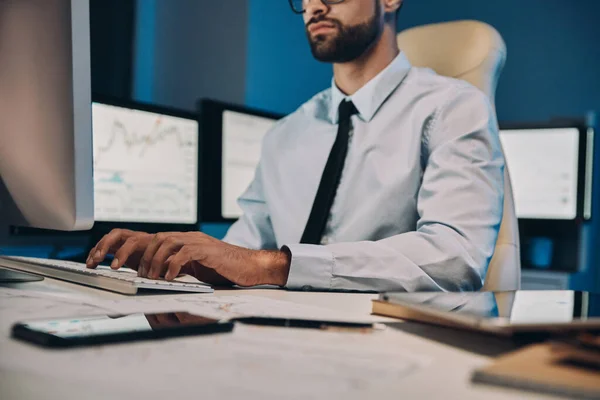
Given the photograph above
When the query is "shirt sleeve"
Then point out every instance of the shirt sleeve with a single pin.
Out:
(254, 229)
(459, 206)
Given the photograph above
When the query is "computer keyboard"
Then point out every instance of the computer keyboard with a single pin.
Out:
(124, 280)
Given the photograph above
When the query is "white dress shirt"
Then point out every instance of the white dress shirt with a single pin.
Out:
(420, 200)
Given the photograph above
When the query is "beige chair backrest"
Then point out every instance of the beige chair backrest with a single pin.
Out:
(474, 52)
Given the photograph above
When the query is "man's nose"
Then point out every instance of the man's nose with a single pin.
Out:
(315, 7)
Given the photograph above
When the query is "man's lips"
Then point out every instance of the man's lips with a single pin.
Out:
(320, 27)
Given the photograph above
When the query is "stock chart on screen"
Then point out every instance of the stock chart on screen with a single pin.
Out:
(145, 166)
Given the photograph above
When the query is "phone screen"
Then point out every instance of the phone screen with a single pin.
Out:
(117, 324)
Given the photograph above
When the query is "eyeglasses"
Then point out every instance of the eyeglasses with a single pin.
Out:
(298, 6)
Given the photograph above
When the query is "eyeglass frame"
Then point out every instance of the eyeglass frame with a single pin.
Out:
(325, 2)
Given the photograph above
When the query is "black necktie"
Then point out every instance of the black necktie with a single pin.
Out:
(330, 178)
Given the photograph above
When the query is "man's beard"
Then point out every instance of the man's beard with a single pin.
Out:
(348, 44)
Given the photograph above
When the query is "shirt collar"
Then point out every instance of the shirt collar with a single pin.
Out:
(371, 96)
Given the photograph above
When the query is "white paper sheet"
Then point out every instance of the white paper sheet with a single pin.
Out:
(228, 307)
(20, 305)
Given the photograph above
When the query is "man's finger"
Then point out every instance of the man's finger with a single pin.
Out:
(108, 242)
(125, 251)
(176, 263)
(149, 254)
(88, 262)
(158, 264)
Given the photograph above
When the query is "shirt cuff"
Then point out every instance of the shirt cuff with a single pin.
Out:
(311, 267)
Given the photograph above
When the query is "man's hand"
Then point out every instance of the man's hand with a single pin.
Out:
(127, 246)
(208, 259)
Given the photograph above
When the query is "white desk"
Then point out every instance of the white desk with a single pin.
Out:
(251, 362)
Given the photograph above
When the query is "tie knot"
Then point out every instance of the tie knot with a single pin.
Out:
(346, 110)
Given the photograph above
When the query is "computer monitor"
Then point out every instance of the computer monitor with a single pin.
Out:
(146, 160)
(232, 139)
(45, 115)
(551, 170)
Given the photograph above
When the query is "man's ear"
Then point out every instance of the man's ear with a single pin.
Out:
(391, 6)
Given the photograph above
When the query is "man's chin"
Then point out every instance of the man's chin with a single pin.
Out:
(321, 54)
(323, 44)
(325, 49)
(320, 39)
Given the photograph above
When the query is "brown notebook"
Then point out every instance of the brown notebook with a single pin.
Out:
(555, 368)
(388, 309)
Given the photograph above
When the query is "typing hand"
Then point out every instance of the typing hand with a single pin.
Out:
(202, 256)
(211, 260)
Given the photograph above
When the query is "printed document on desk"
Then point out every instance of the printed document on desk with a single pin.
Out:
(232, 306)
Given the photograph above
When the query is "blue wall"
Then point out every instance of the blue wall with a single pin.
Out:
(187, 49)
(281, 73)
(145, 39)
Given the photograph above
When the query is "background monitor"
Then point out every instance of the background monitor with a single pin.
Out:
(232, 139)
(550, 169)
(146, 166)
(45, 115)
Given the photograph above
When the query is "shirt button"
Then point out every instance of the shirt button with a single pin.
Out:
(307, 288)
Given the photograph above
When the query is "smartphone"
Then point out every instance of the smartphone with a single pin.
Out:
(102, 329)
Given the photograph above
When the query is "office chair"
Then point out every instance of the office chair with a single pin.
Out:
(474, 52)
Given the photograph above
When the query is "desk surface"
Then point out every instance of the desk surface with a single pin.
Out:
(404, 360)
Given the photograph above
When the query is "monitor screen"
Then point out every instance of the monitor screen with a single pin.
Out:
(242, 136)
(145, 166)
(543, 166)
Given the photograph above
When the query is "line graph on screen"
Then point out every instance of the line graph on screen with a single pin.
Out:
(145, 166)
